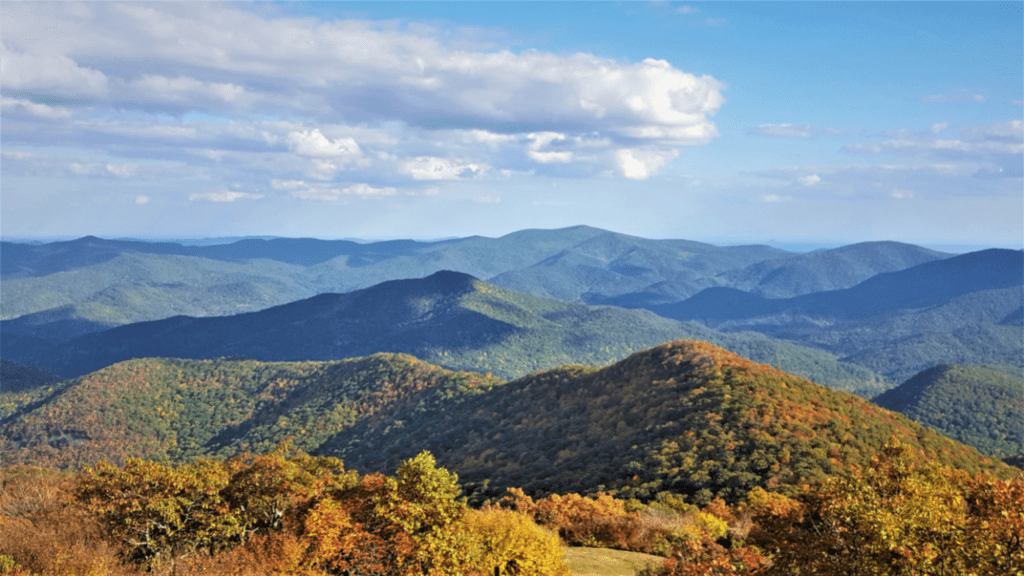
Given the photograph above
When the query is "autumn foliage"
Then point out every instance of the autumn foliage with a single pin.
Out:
(289, 513)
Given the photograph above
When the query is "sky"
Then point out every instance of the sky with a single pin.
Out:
(788, 123)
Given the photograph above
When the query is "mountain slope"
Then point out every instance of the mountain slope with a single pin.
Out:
(963, 309)
(928, 284)
(609, 266)
(824, 270)
(179, 410)
(684, 417)
(978, 406)
(448, 318)
(54, 292)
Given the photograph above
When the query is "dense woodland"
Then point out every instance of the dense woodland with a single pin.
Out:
(289, 513)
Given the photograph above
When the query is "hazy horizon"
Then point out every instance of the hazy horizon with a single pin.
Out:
(796, 247)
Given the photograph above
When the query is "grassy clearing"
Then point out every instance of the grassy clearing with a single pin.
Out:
(606, 562)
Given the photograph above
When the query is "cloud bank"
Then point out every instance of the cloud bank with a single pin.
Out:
(366, 105)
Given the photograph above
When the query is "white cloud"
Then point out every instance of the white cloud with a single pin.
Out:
(314, 143)
(186, 89)
(224, 196)
(640, 164)
(287, 184)
(433, 168)
(990, 151)
(141, 199)
(540, 141)
(939, 127)
(122, 170)
(236, 94)
(687, 10)
(33, 108)
(328, 192)
(809, 180)
(487, 199)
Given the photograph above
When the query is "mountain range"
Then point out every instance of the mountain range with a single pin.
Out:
(304, 315)
(684, 417)
(63, 289)
(448, 318)
(56, 292)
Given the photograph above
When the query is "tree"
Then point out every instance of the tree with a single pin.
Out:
(409, 525)
(508, 542)
(159, 512)
(899, 516)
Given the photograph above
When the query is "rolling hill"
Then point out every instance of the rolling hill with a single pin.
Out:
(62, 289)
(963, 309)
(448, 318)
(825, 270)
(179, 410)
(978, 406)
(684, 417)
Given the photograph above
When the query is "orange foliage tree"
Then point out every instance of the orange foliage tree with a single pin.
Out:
(899, 516)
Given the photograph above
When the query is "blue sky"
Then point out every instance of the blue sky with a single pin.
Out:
(767, 122)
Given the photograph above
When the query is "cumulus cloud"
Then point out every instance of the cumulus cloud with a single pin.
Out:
(546, 157)
(314, 143)
(809, 180)
(640, 164)
(433, 168)
(386, 99)
(34, 108)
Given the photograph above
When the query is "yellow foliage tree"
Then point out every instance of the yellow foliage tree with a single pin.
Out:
(513, 544)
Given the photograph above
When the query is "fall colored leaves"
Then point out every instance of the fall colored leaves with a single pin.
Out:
(294, 514)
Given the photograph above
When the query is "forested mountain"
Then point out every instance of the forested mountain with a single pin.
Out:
(964, 309)
(824, 270)
(178, 410)
(683, 417)
(978, 406)
(926, 285)
(448, 318)
(63, 289)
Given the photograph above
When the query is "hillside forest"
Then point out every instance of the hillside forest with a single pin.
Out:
(479, 406)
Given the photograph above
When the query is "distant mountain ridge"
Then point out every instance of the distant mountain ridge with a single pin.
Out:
(963, 309)
(824, 270)
(448, 318)
(894, 330)
(919, 286)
